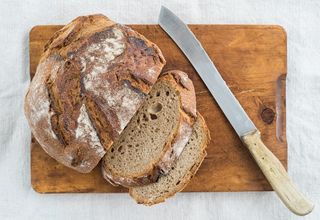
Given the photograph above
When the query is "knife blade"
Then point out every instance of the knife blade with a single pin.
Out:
(240, 121)
(195, 53)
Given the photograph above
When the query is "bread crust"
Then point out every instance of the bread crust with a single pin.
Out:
(187, 177)
(91, 79)
(175, 143)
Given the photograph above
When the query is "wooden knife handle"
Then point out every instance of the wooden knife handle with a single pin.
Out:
(277, 175)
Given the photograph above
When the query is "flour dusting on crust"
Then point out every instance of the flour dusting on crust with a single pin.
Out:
(184, 79)
(185, 132)
(40, 108)
(129, 104)
(122, 100)
(116, 182)
(102, 53)
(179, 143)
(85, 163)
(95, 62)
(86, 131)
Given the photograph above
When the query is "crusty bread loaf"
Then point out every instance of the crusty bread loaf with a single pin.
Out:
(92, 77)
(156, 135)
(187, 165)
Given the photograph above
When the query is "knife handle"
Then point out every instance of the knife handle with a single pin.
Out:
(277, 175)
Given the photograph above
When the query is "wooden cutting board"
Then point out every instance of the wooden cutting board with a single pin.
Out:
(253, 61)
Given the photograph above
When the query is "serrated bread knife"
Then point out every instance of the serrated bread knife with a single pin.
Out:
(242, 124)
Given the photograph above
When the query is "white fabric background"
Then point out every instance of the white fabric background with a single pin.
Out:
(301, 21)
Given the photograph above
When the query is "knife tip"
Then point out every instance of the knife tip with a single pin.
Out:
(163, 8)
(164, 11)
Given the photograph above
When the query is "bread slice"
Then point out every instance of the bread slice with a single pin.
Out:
(186, 166)
(156, 135)
(93, 76)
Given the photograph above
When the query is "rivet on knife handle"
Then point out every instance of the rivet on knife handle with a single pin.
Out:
(277, 175)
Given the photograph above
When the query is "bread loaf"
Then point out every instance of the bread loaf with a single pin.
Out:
(91, 79)
(156, 135)
(187, 165)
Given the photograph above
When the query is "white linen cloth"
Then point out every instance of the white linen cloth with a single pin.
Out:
(299, 18)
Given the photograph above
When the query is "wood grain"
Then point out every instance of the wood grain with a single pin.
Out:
(253, 62)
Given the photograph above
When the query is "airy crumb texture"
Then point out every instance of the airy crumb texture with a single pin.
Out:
(156, 135)
(186, 166)
(144, 140)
